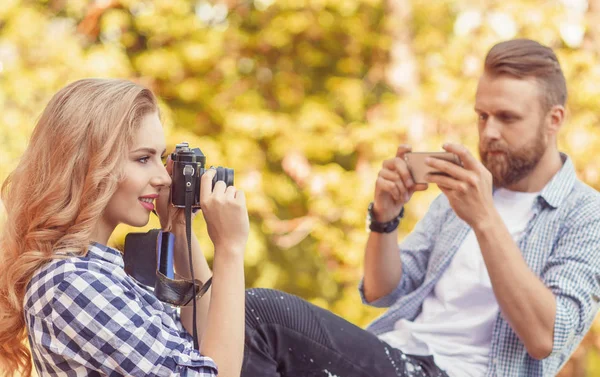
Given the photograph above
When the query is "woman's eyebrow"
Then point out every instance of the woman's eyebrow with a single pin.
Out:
(148, 150)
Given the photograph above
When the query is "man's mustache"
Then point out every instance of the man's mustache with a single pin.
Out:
(494, 147)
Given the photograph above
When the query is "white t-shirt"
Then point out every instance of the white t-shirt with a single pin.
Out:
(457, 318)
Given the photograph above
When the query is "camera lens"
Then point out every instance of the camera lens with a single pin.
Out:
(225, 175)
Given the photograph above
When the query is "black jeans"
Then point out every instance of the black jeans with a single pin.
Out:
(287, 336)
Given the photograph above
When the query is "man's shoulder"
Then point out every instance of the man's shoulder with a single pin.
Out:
(582, 189)
(583, 200)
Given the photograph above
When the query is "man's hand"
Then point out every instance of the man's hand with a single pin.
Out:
(468, 188)
(394, 187)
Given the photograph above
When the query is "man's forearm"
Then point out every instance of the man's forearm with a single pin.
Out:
(201, 271)
(527, 304)
(383, 267)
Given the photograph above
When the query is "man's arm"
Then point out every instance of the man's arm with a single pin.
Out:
(548, 312)
(526, 303)
(545, 314)
(383, 266)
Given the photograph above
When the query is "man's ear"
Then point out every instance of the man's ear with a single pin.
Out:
(556, 116)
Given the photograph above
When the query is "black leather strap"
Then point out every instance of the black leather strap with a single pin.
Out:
(386, 227)
(177, 292)
(141, 257)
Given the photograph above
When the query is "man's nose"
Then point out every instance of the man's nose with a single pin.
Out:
(491, 129)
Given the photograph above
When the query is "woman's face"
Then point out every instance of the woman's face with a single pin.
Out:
(144, 176)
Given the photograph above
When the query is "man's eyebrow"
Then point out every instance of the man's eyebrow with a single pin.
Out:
(148, 150)
(509, 113)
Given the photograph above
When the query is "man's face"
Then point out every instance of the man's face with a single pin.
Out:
(144, 177)
(512, 127)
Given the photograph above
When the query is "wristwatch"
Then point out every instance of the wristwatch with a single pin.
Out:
(387, 227)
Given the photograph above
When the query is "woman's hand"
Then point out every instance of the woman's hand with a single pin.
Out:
(226, 215)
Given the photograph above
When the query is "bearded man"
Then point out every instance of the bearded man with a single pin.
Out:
(500, 278)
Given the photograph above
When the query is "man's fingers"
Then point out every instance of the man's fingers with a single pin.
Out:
(447, 183)
(389, 187)
(402, 169)
(467, 159)
(398, 166)
(453, 170)
(395, 178)
(402, 149)
(389, 164)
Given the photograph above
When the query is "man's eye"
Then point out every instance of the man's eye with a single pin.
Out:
(482, 116)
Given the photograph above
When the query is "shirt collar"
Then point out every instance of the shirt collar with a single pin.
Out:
(557, 189)
(105, 253)
(555, 192)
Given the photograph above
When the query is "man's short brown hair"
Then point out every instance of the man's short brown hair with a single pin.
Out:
(524, 58)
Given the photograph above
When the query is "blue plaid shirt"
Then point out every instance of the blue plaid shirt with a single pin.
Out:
(561, 245)
(86, 317)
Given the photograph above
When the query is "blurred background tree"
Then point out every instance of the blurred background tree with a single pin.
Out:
(304, 99)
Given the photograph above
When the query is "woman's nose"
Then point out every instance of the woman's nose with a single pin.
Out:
(162, 178)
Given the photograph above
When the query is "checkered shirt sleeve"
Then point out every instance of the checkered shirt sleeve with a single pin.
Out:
(94, 324)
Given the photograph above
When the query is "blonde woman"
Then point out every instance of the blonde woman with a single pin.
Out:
(93, 162)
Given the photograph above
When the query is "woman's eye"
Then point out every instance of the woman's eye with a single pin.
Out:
(143, 160)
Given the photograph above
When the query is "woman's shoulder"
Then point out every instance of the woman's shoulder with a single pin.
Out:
(100, 265)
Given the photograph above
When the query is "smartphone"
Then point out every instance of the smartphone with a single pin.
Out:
(418, 168)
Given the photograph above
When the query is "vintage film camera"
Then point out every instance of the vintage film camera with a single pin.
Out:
(185, 158)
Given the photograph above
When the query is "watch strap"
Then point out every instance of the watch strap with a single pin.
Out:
(384, 227)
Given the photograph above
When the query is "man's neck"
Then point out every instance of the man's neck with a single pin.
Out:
(537, 179)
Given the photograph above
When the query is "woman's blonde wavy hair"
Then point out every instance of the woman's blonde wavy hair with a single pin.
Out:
(59, 189)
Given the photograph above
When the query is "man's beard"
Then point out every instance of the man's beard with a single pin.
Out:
(511, 166)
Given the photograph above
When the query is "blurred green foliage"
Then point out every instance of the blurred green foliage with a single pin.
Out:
(303, 98)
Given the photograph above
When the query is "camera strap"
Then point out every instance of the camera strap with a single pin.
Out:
(190, 189)
(155, 270)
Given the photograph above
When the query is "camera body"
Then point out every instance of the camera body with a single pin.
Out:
(188, 159)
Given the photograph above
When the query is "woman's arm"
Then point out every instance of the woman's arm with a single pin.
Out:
(220, 312)
(223, 339)
(224, 209)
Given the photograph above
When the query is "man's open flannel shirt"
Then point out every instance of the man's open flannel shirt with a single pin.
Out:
(561, 245)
